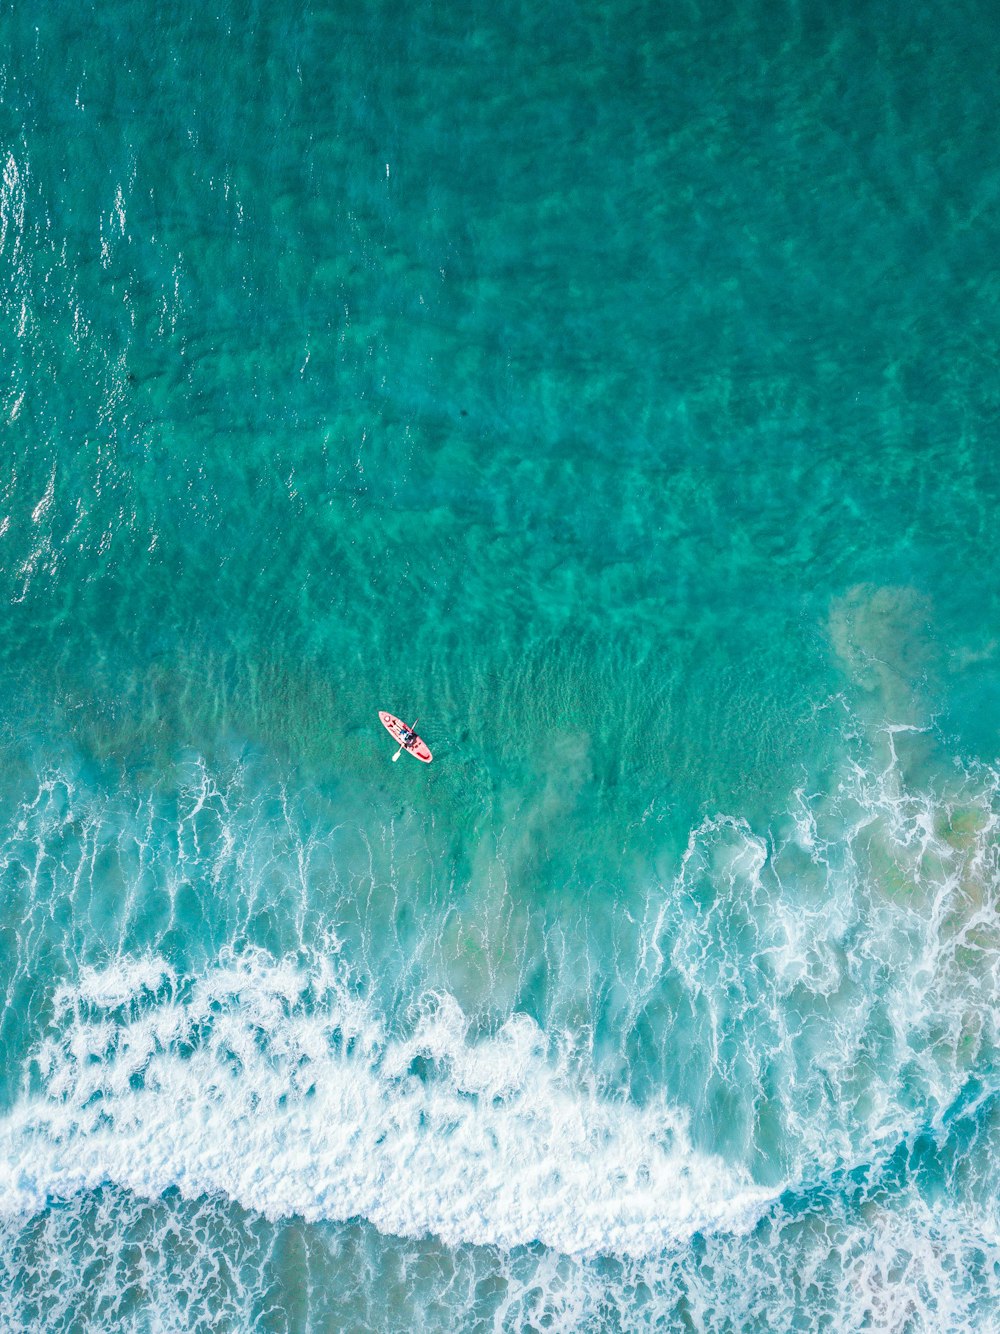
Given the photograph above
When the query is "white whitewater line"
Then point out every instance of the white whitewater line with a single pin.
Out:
(495, 1147)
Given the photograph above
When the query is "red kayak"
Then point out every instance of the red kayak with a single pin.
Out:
(400, 732)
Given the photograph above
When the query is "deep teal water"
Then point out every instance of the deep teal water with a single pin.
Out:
(614, 387)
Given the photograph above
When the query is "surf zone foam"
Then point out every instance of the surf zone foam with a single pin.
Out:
(277, 1087)
(829, 983)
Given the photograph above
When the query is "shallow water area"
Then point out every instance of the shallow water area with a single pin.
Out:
(614, 391)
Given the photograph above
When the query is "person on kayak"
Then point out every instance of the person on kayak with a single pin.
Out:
(405, 737)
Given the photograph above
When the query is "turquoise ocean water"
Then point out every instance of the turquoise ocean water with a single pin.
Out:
(614, 387)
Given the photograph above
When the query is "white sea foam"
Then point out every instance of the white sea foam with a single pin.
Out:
(279, 1089)
(895, 1264)
(110, 987)
(838, 982)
